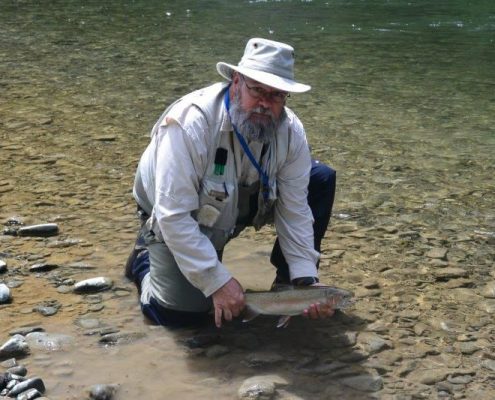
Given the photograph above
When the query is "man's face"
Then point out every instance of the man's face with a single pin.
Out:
(270, 98)
(256, 109)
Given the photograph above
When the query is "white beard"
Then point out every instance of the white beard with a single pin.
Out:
(262, 132)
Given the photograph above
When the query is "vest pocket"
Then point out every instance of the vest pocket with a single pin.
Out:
(214, 196)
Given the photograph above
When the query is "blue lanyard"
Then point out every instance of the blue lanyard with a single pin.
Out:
(263, 174)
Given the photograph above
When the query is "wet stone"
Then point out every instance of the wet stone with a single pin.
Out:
(29, 394)
(256, 360)
(32, 383)
(439, 253)
(121, 338)
(43, 267)
(24, 330)
(14, 347)
(102, 392)
(3, 266)
(88, 323)
(450, 273)
(5, 295)
(428, 376)
(19, 370)
(364, 382)
(216, 351)
(372, 343)
(260, 387)
(488, 364)
(46, 311)
(489, 290)
(93, 285)
(49, 341)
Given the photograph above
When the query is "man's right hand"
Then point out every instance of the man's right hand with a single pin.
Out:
(228, 301)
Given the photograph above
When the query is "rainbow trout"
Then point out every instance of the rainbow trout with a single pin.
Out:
(291, 301)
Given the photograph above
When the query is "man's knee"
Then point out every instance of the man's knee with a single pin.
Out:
(322, 177)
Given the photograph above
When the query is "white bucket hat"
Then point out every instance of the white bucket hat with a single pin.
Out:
(267, 62)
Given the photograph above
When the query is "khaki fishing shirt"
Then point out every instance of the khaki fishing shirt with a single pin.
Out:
(175, 179)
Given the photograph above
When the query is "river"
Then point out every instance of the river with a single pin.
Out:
(402, 106)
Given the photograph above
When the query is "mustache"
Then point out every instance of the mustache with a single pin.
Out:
(262, 111)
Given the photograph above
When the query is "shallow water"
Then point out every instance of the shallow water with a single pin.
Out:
(402, 106)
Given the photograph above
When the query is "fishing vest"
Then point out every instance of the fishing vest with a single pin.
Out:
(224, 201)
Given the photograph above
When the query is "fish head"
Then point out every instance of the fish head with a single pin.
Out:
(338, 298)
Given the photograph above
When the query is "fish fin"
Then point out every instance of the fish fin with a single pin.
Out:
(249, 314)
(281, 287)
(283, 322)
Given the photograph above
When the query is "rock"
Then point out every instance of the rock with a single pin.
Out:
(49, 341)
(5, 296)
(450, 273)
(202, 340)
(32, 383)
(24, 330)
(19, 370)
(468, 347)
(121, 338)
(489, 290)
(436, 252)
(46, 311)
(88, 323)
(14, 347)
(256, 360)
(216, 351)
(260, 387)
(428, 376)
(372, 343)
(364, 382)
(102, 392)
(3, 266)
(93, 285)
(488, 364)
(43, 267)
(43, 230)
(29, 394)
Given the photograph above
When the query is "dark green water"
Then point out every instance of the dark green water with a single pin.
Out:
(403, 91)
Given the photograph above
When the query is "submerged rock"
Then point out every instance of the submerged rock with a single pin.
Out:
(93, 285)
(49, 341)
(260, 387)
(367, 382)
(102, 392)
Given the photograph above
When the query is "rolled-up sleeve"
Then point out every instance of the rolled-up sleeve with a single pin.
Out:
(181, 160)
(293, 217)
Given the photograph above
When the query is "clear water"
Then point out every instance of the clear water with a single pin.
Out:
(402, 106)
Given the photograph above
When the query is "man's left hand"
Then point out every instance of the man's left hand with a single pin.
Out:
(318, 310)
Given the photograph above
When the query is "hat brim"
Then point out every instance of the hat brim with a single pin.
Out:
(274, 81)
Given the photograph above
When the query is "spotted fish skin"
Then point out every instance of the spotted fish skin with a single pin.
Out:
(292, 301)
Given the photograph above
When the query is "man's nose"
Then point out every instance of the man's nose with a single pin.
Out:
(264, 101)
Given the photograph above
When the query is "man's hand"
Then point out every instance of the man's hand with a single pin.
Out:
(228, 301)
(318, 310)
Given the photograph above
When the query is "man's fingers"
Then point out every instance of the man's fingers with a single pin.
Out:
(218, 317)
(227, 315)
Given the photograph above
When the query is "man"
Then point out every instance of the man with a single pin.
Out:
(220, 159)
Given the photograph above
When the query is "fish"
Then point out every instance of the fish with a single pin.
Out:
(293, 301)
